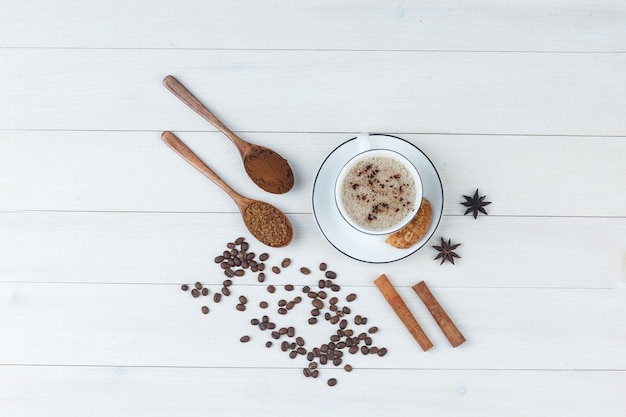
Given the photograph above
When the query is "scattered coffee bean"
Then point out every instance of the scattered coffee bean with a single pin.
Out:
(217, 297)
(263, 304)
(333, 307)
(227, 283)
(243, 299)
(268, 344)
(225, 291)
(317, 303)
(305, 270)
(282, 302)
(365, 350)
(264, 257)
(293, 354)
(373, 330)
(290, 305)
(245, 246)
(322, 294)
(291, 331)
(315, 312)
(184, 287)
(261, 277)
(337, 361)
(284, 346)
(271, 289)
(195, 293)
(205, 310)
(254, 322)
(224, 265)
(373, 350)
(226, 254)
(312, 320)
(332, 382)
(276, 270)
(357, 319)
(330, 275)
(239, 273)
(323, 266)
(219, 259)
(364, 320)
(334, 301)
(297, 300)
(275, 334)
(229, 273)
(353, 349)
(261, 266)
(306, 289)
(346, 310)
(335, 287)
(285, 263)
(321, 283)
(205, 292)
(244, 339)
(299, 341)
(351, 297)
(382, 351)
(312, 294)
(348, 368)
(240, 307)
(282, 310)
(288, 287)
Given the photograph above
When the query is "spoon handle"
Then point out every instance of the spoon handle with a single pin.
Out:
(188, 155)
(180, 91)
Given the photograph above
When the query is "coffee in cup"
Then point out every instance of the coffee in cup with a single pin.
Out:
(378, 191)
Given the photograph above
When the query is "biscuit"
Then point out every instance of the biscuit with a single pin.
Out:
(415, 230)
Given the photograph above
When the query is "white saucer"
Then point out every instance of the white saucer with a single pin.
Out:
(358, 245)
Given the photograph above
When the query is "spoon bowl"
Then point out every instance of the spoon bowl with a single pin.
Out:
(267, 224)
(265, 167)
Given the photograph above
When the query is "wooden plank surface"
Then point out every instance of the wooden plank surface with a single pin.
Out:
(100, 223)
(290, 91)
(484, 25)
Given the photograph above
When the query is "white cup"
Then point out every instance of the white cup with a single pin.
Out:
(380, 199)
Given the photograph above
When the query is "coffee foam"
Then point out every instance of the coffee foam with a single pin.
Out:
(378, 192)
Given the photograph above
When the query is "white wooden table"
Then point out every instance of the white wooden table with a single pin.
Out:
(100, 223)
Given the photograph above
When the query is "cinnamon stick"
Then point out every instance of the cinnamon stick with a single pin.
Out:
(446, 324)
(399, 307)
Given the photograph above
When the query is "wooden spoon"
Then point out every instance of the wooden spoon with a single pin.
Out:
(266, 168)
(266, 223)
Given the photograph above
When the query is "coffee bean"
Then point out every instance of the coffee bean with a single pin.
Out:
(282, 311)
(239, 272)
(254, 321)
(365, 350)
(291, 331)
(233, 252)
(353, 349)
(284, 346)
(373, 350)
(229, 273)
(337, 361)
(306, 289)
(348, 332)
(323, 266)
(364, 320)
(334, 338)
(288, 287)
(316, 373)
(226, 254)
(351, 297)
(293, 346)
(293, 354)
(224, 265)
(290, 305)
(335, 287)
(184, 287)
(195, 293)
(261, 277)
(282, 302)
(339, 313)
(357, 319)
(275, 335)
(330, 275)
(243, 299)
(239, 240)
(265, 319)
(348, 368)
(333, 307)
(276, 270)
(244, 264)
(334, 320)
(312, 294)
(244, 339)
(299, 341)
(217, 297)
(315, 312)
(321, 283)
(205, 310)
(261, 266)
(322, 294)
(316, 352)
(219, 259)
(341, 345)
(268, 344)
(373, 330)
(271, 289)
(382, 351)
(333, 300)
(253, 268)
(236, 262)
(245, 246)
(240, 307)
(205, 291)
(332, 382)
(225, 291)
(362, 336)
(312, 364)
(297, 300)
(328, 283)
(305, 270)
(323, 359)
(317, 303)
(198, 285)
(285, 263)
(346, 310)
(271, 325)
(263, 304)
(264, 257)
(227, 283)
(368, 341)
(307, 372)
(312, 320)
(230, 262)
(327, 316)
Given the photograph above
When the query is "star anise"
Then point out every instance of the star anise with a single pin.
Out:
(476, 204)
(446, 251)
